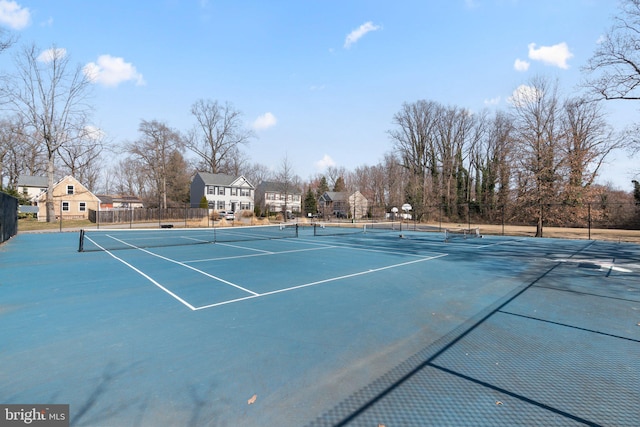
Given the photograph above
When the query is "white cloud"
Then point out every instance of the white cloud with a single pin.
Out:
(324, 163)
(520, 65)
(524, 95)
(359, 32)
(556, 55)
(492, 101)
(13, 15)
(50, 54)
(93, 133)
(264, 121)
(314, 88)
(111, 71)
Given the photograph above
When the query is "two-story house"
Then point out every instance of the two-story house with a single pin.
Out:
(343, 205)
(223, 192)
(71, 200)
(31, 186)
(277, 197)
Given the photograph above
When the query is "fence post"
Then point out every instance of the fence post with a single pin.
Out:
(589, 218)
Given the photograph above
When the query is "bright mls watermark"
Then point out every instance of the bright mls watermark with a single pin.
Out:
(34, 415)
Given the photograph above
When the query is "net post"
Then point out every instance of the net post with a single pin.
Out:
(81, 244)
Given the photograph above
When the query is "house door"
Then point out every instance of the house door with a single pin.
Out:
(234, 206)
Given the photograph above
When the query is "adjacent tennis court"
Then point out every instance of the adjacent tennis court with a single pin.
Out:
(321, 326)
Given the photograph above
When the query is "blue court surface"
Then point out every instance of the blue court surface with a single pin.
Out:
(366, 329)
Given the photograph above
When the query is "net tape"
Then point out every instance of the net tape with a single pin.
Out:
(338, 228)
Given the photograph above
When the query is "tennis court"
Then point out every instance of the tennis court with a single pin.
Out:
(291, 326)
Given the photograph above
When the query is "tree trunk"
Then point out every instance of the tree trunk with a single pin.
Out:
(51, 211)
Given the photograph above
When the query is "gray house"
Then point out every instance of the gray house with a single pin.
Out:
(343, 205)
(223, 192)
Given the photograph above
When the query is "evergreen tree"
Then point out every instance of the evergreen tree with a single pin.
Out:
(203, 202)
(310, 203)
(340, 185)
(323, 187)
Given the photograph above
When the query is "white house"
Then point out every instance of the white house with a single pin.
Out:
(274, 196)
(31, 186)
(223, 192)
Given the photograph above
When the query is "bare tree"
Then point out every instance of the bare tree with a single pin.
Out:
(218, 133)
(52, 99)
(81, 156)
(589, 139)
(129, 177)
(614, 68)
(153, 150)
(538, 138)
(335, 174)
(287, 181)
(493, 163)
(16, 154)
(415, 142)
(257, 172)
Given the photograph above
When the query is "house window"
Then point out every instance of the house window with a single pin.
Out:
(65, 206)
(210, 190)
(234, 191)
(220, 204)
(245, 192)
(69, 189)
(220, 191)
(82, 206)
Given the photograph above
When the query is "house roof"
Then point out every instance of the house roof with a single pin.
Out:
(340, 196)
(334, 196)
(105, 198)
(119, 198)
(40, 197)
(221, 179)
(32, 181)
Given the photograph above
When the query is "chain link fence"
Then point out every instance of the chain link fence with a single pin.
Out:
(194, 216)
(589, 220)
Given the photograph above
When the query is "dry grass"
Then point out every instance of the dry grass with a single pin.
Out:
(554, 232)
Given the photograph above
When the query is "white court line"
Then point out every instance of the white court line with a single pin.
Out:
(501, 243)
(187, 266)
(144, 275)
(256, 255)
(319, 282)
(243, 247)
(357, 247)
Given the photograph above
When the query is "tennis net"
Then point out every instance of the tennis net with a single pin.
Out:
(338, 228)
(113, 239)
(461, 233)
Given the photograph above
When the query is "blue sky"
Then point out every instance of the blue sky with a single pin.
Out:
(318, 80)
